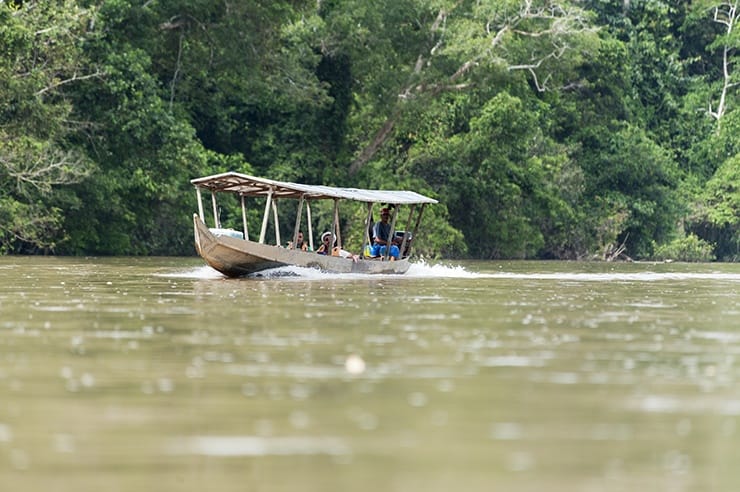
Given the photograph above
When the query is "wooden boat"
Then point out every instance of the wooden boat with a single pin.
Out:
(234, 254)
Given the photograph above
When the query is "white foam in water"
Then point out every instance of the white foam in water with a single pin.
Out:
(416, 270)
(423, 269)
(204, 272)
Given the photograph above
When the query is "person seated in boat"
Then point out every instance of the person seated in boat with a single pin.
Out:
(325, 247)
(381, 236)
(300, 243)
(336, 250)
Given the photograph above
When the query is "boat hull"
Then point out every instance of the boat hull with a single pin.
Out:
(237, 257)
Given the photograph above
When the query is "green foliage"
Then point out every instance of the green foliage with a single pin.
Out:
(498, 178)
(135, 202)
(689, 248)
(716, 216)
(632, 182)
(28, 227)
(547, 129)
(722, 194)
(658, 74)
(41, 57)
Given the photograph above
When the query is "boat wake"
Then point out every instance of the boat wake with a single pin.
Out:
(619, 276)
(422, 269)
(417, 270)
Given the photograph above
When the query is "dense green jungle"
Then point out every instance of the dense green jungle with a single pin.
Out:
(550, 129)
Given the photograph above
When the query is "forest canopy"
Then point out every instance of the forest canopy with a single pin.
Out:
(553, 129)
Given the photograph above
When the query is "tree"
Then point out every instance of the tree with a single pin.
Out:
(501, 178)
(42, 61)
(145, 152)
(631, 184)
(720, 216)
(726, 15)
(460, 44)
(244, 75)
(545, 134)
(715, 214)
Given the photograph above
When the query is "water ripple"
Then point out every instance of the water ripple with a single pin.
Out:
(227, 446)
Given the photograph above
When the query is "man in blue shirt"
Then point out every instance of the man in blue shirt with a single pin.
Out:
(381, 233)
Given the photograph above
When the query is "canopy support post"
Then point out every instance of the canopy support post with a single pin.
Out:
(275, 221)
(297, 227)
(408, 232)
(265, 217)
(216, 221)
(244, 218)
(200, 205)
(389, 243)
(418, 221)
(335, 227)
(310, 226)
(367, 235)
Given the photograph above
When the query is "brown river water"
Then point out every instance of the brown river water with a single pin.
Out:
(158, 374)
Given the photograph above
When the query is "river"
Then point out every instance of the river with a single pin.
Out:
(157, 374)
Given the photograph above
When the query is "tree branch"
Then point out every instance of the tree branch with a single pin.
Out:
(74, 78)
(559, 22)
(380, 138)
(44, 169)
(727, 18)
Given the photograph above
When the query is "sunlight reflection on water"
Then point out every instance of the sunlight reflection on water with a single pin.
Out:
(226, 446)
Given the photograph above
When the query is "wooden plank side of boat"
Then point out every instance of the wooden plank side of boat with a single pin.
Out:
(226, 254)
(236, 257)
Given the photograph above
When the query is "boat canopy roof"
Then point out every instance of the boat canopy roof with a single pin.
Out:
(245, 185)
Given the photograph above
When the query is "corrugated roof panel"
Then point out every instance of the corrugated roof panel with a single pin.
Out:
(246, 185)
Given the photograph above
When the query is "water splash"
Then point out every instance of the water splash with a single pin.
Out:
(422, 269)
(417, 270)
(201, 272)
